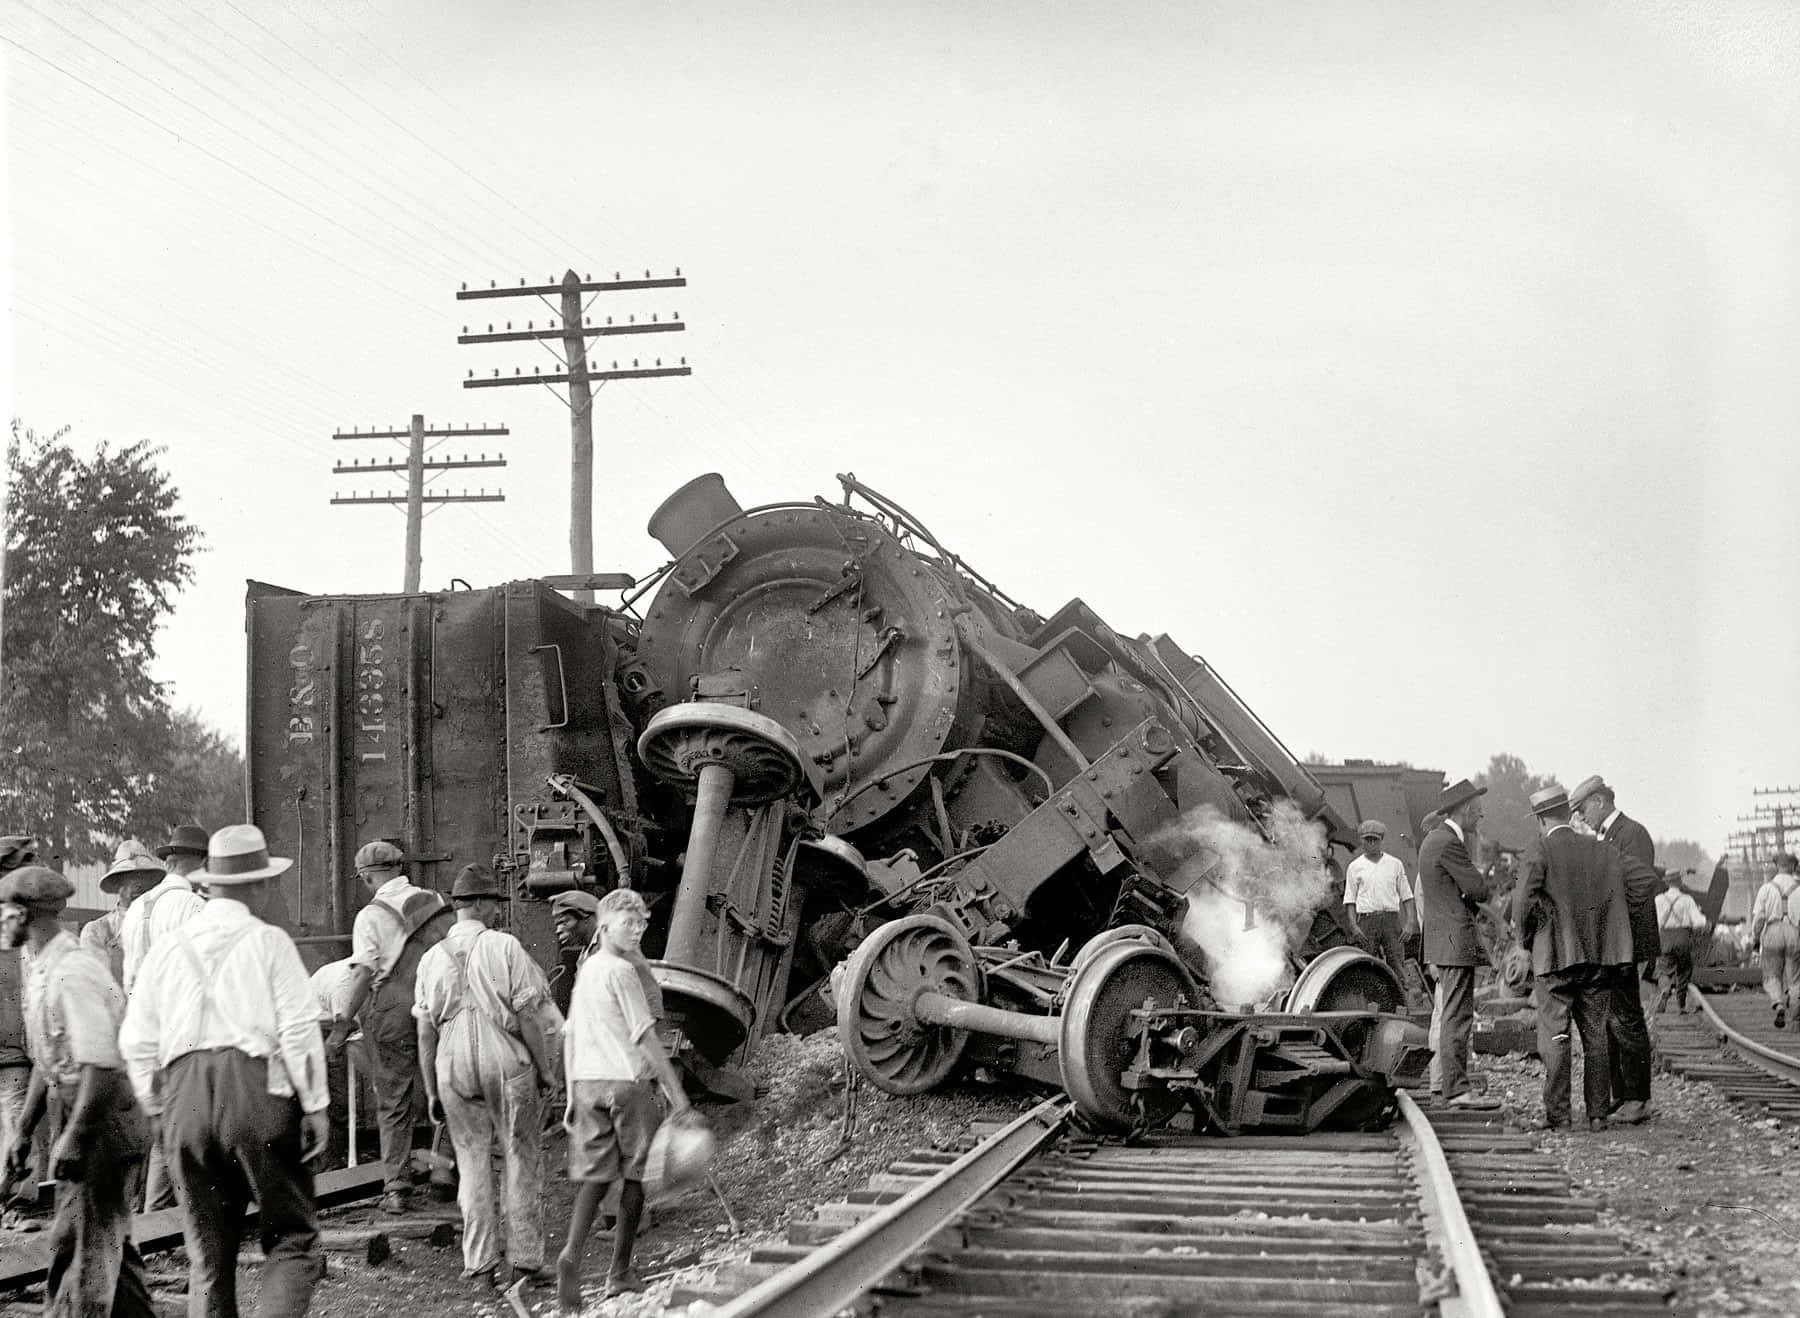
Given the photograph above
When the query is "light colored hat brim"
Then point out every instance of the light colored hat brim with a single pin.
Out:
(110, 881)
(277, 865)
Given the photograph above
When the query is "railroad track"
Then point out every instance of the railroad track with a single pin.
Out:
(1445, 1210)
(1731, 1042)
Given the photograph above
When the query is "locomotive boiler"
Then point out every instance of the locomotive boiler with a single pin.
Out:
(1055, 851)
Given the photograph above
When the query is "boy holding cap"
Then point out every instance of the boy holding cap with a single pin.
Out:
(611, 1056)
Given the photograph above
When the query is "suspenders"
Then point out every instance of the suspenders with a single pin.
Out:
(207, 983)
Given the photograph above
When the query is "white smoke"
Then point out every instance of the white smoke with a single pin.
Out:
(1250, 899)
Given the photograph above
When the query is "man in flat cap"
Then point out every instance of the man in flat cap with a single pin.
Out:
(1775, 933)
(488, 1061)
(392, 932)
(1378, 900)
(574, 916)
(1569, 910)
(16, 850)
(1450, 889)
(222, 1041)
(133, 870)
(72, 1012)
(1629, 1030)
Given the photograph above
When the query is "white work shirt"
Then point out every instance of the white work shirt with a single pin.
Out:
(1374, 887)
(478, 978)
(72, 1009)
(1676, 909)
(376, 941)
(1772, 903)
(329, 985)
(260, 1003)
(608, 1016)
(166, 907)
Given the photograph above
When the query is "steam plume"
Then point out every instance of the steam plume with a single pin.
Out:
(1250, 899)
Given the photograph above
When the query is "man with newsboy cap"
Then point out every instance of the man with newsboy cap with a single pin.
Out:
(222, 1041)
(1450, 889)
(1569, 910)
(16, 851)
(1625, 1022)
(392, 932)
(490, 1042)
(1378, 898)
(72, 1011)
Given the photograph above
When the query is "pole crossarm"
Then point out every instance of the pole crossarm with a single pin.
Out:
(614, 285)
(525, 335)
(562, 377)
(449, 432)
(426, 498)
(430, 464)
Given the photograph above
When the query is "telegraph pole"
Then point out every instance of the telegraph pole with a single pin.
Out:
(580, 374)
(415, 467)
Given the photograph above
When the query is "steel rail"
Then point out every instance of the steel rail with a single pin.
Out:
(826, 1280)
(1781, 1065)
(1476, 1296)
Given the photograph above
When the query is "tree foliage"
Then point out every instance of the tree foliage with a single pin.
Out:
(1506, 816)
(1679, 853)
(96, 552)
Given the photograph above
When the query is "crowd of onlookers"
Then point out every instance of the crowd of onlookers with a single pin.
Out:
(1594, 916)
(184, 1055)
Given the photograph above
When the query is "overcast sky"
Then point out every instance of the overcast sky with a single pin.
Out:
(1430, 369)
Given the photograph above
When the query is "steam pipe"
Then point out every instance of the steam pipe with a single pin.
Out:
(712, 798)
(941, 1009)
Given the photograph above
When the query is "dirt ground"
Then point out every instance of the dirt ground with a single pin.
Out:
(1706, 1190)
(1703, 1189)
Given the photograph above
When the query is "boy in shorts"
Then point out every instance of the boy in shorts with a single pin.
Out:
(611, 1057)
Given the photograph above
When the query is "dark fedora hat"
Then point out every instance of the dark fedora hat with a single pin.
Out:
(184, 840)
(473, 881)
(1458, 793)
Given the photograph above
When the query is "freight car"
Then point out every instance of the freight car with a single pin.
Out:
(816, 717)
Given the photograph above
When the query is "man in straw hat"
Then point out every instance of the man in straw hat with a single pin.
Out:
(482, 1005)
(1625, 1022)
(133, 870)
(1569, 909)
(392, 932)
(222, 1040)
(1450, 888)
(72, 1011)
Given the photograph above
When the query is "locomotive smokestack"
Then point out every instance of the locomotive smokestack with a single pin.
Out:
(692, 511)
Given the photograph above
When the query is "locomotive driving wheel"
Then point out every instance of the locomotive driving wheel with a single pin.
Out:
(1099, 1043)
(1344, 979)
(877, 1025)
(683, 741)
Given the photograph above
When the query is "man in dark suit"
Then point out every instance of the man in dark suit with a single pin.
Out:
(1570, 911)
(1450, 888)
(1630, 1032)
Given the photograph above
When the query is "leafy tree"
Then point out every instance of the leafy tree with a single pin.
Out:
(200, 781)
(96, 552)
(1506, 816)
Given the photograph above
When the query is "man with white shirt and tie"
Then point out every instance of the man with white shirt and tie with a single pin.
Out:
(222, 1042)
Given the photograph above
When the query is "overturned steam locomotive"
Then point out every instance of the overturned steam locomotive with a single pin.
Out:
(1047, 849)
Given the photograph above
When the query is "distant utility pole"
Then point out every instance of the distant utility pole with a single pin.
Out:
(415, 467)
(580, 374)
(1785, 806)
